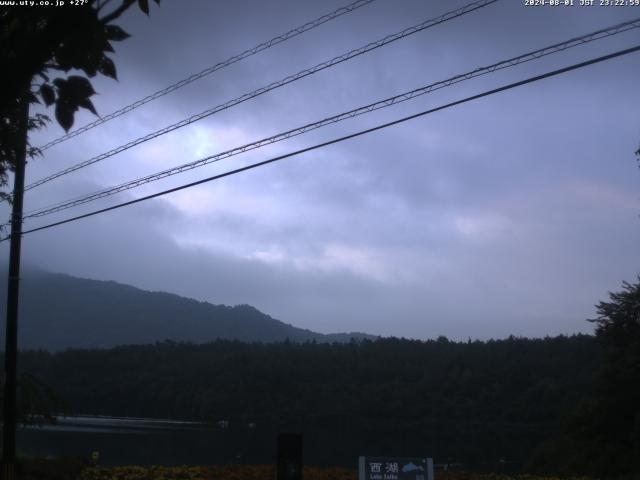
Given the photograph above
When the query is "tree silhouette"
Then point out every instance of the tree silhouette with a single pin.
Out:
(39, 46)
(37, 404)
(616, 413)
(602, 436)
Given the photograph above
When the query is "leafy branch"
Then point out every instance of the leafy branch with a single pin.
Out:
(39, 47)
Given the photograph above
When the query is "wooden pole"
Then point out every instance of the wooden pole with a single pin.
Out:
(11, 340)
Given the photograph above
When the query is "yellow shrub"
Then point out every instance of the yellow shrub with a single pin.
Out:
(263, 472)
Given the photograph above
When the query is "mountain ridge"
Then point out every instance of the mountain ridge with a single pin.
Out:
(60, 311)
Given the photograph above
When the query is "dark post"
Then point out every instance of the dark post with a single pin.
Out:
(289, 465)
(11, 346)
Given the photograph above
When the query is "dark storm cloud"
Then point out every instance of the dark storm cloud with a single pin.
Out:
(512, 214)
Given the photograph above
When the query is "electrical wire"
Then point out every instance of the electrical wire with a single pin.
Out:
(209, 70)
(344, 138)
(260, 91)
(558, 47)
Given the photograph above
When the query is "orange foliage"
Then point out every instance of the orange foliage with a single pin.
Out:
(263, 472)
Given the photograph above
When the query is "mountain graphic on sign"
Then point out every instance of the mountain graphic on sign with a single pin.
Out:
(411, 467)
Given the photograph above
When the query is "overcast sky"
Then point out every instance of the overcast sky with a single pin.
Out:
(513, 214)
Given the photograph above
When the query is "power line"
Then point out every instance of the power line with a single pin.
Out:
(558, 47)
(260, 91)
(209, 70)
(341, 139)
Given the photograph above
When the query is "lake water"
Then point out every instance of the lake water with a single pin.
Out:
(140, 441)
(143, 441)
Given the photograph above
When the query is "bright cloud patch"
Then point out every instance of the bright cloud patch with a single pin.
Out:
(481, 227)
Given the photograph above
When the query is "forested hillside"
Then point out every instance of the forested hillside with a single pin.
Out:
(472, 402)
(60, 311)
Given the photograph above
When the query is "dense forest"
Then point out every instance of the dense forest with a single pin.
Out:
(489, 405)
(562, 405)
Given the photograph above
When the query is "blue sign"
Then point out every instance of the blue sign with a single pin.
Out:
(395, 468)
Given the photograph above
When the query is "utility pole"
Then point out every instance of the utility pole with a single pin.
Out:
(11, 345)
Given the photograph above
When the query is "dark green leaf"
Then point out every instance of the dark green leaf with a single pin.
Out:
(33, 152)
(86, 103)
(32, 98)
(65, 57)
(107, 68)
(70, 54)
(37, 122)
(144, 6)
(48, 94)
(79, 87)
(74, 92)
(64, 115)
(115, 33)
(91, 63)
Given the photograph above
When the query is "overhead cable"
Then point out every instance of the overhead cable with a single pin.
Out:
(209, 70)
(341, 139)
(387, 102)
(272, 86)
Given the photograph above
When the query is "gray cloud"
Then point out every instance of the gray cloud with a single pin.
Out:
(510, 215)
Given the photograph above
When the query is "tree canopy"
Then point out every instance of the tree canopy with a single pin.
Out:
(470, 402)
(39, 47)
(615, 417)
(602, 435)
